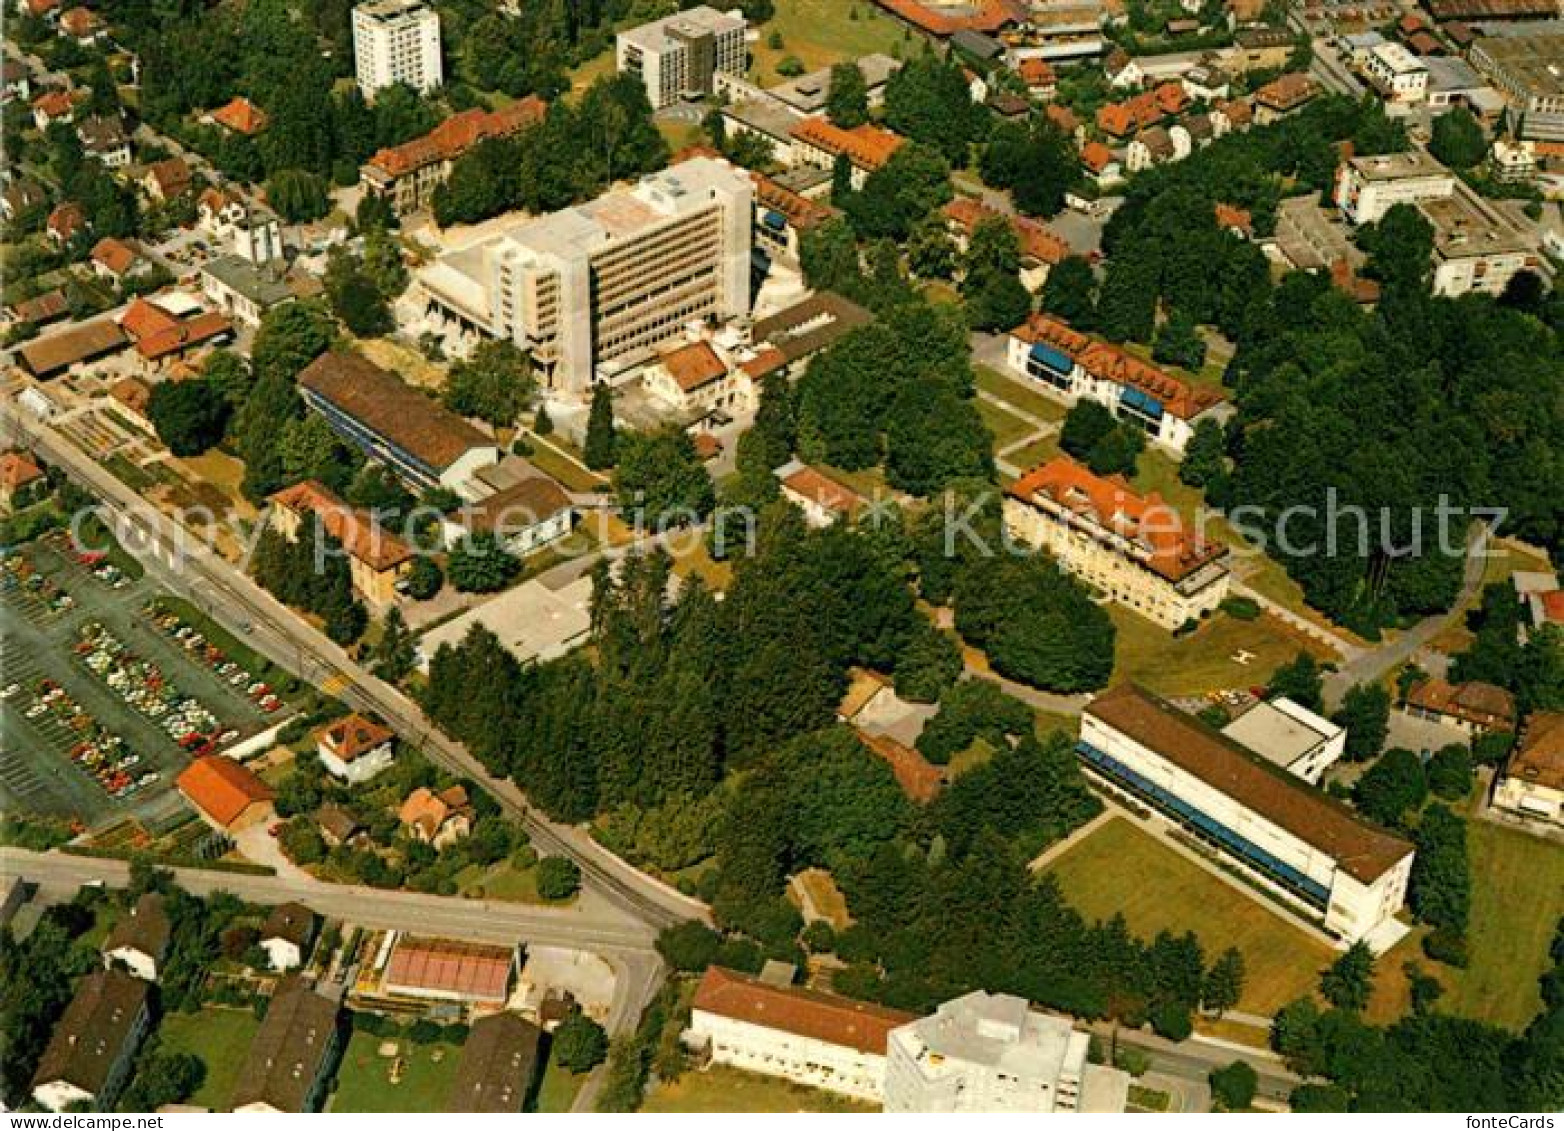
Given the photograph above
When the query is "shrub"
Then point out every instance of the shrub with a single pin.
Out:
(558, 878)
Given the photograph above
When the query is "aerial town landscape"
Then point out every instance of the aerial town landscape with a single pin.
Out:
(815, 556)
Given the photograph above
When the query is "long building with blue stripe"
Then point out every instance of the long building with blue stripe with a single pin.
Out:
(1070, 366)
(1316, 854)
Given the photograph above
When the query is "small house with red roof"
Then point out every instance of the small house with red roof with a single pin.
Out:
(1101, 164)
(1135, 548)
(53, 106)
(64, 222)
(114, 259)
(228, 796)
(241, 116)
(696, 380)
(166, 180)
(83, 25)
(355, 748)
(20, 477)
(822, 499)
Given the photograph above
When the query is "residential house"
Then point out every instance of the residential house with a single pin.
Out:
(48, 307)
(1134, 548)
(52, 106)
(1198, 129)
(437, 819)
(114, 260)
(499, 1061)
(16, 82)
(1474, 708)
(822, 499)
(450, 970)
(1069, 365)
(240, 116)
(355, 748)
(1531, 784)
(294, 1053)
(1282, 96)
(132, 396)
(1063, 117)
(1150, 147)
(818, 142)
(286, 935)
(525, 516)
(1231, 218)
(337, 826)
(1205, 82)
(816, 1039)
(103, 137)
(20, 479)
(407, 174)
(22, 196)
(93, 1047)
(697, 381)
(1396, 73)
(1122, 72)
(1234, 114)
(250, 232)
(83, 25)
(1260, 49)
(1040, 248)
(395, 424)
(140, 938)
(228, 796)
(46, 10)
(1039, 77)
(377, 558)
(166, 180)
(1101, 164)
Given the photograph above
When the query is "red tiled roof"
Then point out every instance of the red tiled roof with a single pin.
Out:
(459, 133)
(172, 176)
(184, 335)
(66, 219)
(1170, 96)
(767, 361)
(694, 365)
(242, 116)
(1287, 92)
(1483, 704)
(707, 446)
(801, 212)
(17, 470)
(114, 254)
(80, 22)
(222, 788)
(1172, 548)
(1138, 113)
(1036, 72)
(55, 103)
(1236, 111)
(981, 15)
(1096, 156)
(1037, 242)
(1422, 43)
(821, 491)
(142, 319)
(1063, 117)
(1539, 756)
(348, 738)
(1553, 606)
(44, 308)
(867, 146)
(803, 1012)
(43, 7)
(361, 536)
(1363, 850)
(447, 966)
(919, 779)
(1231, 216)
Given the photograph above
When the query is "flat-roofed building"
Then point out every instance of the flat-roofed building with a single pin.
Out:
(294, 1053)
(812, 1038)
(89, 1056)
(1137, 549)
(533, 622)
(396, 41)
(1396, 73)
(499, 1060)
(1297, 841)
(1368, 187)
(678, 56)
(1291, 736)
(422, 442)
(450, 970)
(593, 290)
(1528, 69)
(1070, 366)
(1476, 247)
(986, 1052)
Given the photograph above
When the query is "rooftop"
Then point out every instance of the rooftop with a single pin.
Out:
(358, 532)
(388, 11)
(807, 93)
(1280, 730)
(356, 734)
(819, 488)
(531, 621)
(265, 284)
(1534, 61)
(659, 35)
(498, 1063)
(1363, 850)
(92, 1032)
(1467, 225)
(290, 1048)
(458, 134)
(222, 788)
(145, 928)
(867, 146)
(292, 922)
(794, 1009)
(47, 356)
(999, 1032)
(1398, 166)
(809, 326)
(1539, 756)
(694, 365)
(465, 969)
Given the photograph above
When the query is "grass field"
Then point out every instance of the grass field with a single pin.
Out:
(1203, 661)
(499, 881)
(1118, 868)
(721, 1089)
(221, 1038)
(364, 1077)
(557, 1091)
(1006, 426)
(572, 475)
(821, 32)
(1027, 400)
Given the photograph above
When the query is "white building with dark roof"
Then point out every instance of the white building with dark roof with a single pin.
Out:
(678, 56)
(93, 1047)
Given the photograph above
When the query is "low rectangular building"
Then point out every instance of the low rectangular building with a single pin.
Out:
(228, 796)
(294, 1053)
(420, 440)
(1300, 843)
(1136, 549)
(1368, 187)
(533, 622)
(1474, 708)
(499, 1061)
(450, 970)
(1290, 736)
(812, 1038)
(1070, 366)
(1476, 247)
(90, 1055)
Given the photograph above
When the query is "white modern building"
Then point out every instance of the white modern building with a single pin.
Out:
(286, 935)
(354, 749)
(396, 41)
(1476, 247)
(1295, 841)
(1368, 187)
(1291, 736)
(816, 1039)
(1070, 366)
(1396, 73)
(680, 55)
(992, 1053)
(591, 292)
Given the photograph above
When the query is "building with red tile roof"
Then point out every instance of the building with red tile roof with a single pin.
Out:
(408, 174)
(355, 748)
(1473, 707)
(205, 328)
(377, 558)
(450, 970)
(142, 319)
(165, 180)
(81, 24)
(53, 106)
(822, 499)
(241, 116)
(1039, 246)
(113, 258)
(919, 778)
(1531, 785)
(944, 20)
(1063, 117)
(225, 793)
(1098, 159)
(1038, 75)
(18, 472)
(817, 1039)
(1281, 96)
(818, 141)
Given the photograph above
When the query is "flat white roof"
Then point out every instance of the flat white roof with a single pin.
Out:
(532, 621)
(1280, 731)
(654, 36)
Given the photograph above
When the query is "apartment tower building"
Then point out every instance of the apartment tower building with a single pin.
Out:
(679, 56)
(396, 41)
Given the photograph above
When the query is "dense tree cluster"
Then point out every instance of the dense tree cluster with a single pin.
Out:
(928, 101)
(1035, 161)
(1532, 669)
(311, 573)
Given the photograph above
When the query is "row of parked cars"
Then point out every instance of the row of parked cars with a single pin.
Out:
(97, 750)
(204, 651)
(20, 574)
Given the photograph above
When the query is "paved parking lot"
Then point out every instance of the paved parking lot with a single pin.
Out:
(49, 604)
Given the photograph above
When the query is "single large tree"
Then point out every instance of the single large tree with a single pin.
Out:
(190, 416)
(494, 384)
(600, 450)
(847, 100)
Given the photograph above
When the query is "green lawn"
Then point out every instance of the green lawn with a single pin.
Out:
(722, 1089)
(1119, 868)
(1006, 426)
(364, 1077)
(557, 1092)
(1035, 454)
(221, 1038)
(1024, 398)
(1204, 660)
(821, 32)
(572, 475)
(500, 881)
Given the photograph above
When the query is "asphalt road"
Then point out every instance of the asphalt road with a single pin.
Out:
(188, 566)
